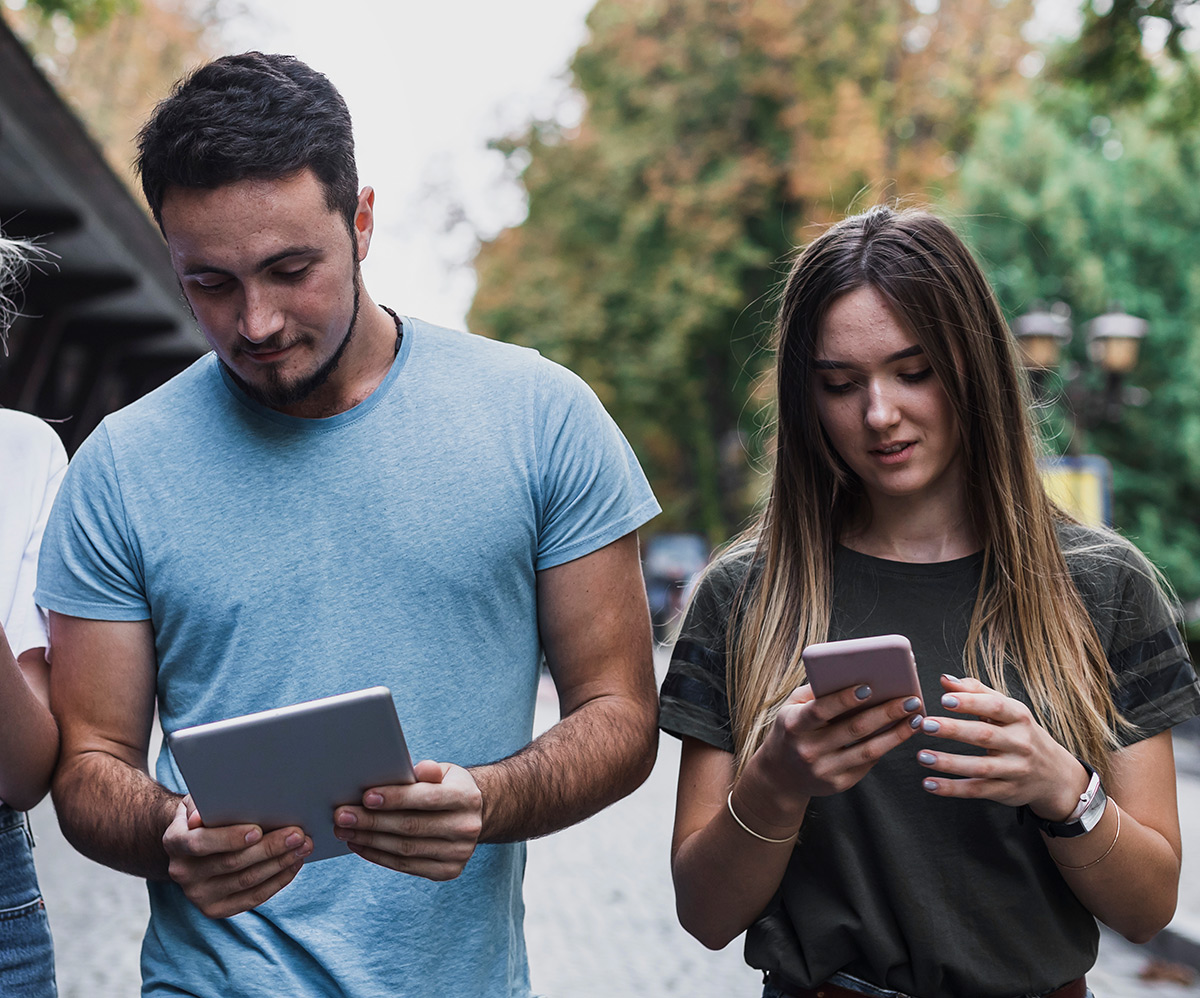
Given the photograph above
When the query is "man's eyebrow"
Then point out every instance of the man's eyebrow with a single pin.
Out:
(835, 365)
(268, 262)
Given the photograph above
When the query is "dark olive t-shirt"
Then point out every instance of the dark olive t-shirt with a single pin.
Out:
(933, 896)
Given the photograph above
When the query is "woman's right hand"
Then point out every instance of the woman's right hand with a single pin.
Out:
(819, 746)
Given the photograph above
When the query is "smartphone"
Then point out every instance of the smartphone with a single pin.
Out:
(885, 663)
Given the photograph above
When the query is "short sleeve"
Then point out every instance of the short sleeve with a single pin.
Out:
(89, 564)
(43, 464)
(1156, 685)
(592, 489)
(693, 700)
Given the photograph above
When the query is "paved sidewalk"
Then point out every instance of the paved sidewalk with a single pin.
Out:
(1181, 939)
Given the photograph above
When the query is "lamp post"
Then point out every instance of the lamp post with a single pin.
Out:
(1114, 340)
(1082, 482)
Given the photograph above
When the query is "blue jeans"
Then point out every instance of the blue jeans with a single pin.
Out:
(26, 953)
(854, 984)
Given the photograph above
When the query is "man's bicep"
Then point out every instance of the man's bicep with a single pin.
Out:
(102, 686)
(595, 625)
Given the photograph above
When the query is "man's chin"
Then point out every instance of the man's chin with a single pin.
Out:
(276, 392)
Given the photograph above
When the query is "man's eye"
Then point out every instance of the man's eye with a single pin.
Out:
(211, 286)
(293, 275)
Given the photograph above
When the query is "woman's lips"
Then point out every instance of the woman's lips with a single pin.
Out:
(893, 454)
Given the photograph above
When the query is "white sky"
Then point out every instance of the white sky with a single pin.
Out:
(428, 83)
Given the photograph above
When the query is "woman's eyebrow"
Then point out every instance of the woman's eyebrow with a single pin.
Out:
(834, 365)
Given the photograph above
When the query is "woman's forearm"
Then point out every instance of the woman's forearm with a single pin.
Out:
(725, 875)
(28, 734)
(1124, 872)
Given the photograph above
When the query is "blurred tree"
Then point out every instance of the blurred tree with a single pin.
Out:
(716, 133)
(1065, 203)
(1127, 48)
(112, 60)
(85, 13)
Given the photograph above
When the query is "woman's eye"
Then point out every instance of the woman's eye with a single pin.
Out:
(917, 376)
(837, 387)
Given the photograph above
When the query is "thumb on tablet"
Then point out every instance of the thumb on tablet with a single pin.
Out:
(193, 815)
(428, 771)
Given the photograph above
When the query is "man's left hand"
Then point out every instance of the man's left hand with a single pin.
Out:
(428, 829)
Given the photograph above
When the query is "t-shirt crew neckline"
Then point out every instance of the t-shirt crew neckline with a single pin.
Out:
(306, 424)
(911, 569)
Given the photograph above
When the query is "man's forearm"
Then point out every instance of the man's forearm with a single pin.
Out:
(594, 756)
(114, 814)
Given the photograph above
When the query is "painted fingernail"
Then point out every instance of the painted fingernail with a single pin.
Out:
(915, 723)
(346, 818)
(862, 692)
(912, 703)
(293, 840)
(373, 799)
(930, 785)
(927, 758)
(953, 679)
(949, 700)
(930, 725)
(253, 836)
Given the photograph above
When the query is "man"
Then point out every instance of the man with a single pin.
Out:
(336, 498)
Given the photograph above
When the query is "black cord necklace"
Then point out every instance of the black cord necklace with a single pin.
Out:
(399, 328)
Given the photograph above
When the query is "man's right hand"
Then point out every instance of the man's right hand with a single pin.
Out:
(232, 868)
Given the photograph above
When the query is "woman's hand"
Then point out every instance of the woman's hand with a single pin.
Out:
(819, 746)
(1021, 764)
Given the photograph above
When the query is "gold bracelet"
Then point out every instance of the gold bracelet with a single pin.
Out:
(1103, 855)
(747, 828)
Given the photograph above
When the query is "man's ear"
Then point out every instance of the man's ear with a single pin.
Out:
(364, 221)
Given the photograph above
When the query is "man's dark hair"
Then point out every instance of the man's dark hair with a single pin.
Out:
(250, 117)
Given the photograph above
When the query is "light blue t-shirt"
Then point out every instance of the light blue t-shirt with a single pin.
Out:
(283, 559)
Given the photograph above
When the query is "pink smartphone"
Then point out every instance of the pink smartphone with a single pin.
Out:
(885, 663)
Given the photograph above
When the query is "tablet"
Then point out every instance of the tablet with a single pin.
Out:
(295, 765)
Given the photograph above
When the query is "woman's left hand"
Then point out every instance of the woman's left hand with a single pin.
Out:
(1021, 764)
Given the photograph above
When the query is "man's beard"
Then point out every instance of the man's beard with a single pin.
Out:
(275, 393)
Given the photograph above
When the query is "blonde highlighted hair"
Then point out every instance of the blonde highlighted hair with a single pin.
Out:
(16, 257)
(1028, 615)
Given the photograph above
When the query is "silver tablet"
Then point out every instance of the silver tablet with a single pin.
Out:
(295, 765)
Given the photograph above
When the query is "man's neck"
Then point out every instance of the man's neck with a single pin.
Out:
(362, 368)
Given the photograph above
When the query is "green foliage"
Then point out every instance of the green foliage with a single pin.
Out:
(89, 14)
(717, 133)
(1110, 60)
(1063, 203)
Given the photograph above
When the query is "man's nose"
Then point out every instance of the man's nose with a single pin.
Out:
(260, 317)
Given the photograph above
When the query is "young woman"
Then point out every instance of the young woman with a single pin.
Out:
(965, 842)
(32, 461)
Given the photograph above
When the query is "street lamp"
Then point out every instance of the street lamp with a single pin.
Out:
(1079, 482)
(1114, 340)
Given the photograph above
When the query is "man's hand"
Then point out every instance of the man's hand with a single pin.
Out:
(230, 869)
(428, 828)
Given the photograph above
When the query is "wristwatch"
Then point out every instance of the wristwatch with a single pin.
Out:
(1087, 813)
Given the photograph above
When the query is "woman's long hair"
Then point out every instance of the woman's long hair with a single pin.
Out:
(1028, 614)
(16, 258)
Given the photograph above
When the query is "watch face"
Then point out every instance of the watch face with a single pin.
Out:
(1094, 811)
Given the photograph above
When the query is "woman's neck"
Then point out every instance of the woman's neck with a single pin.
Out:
(915, 532)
